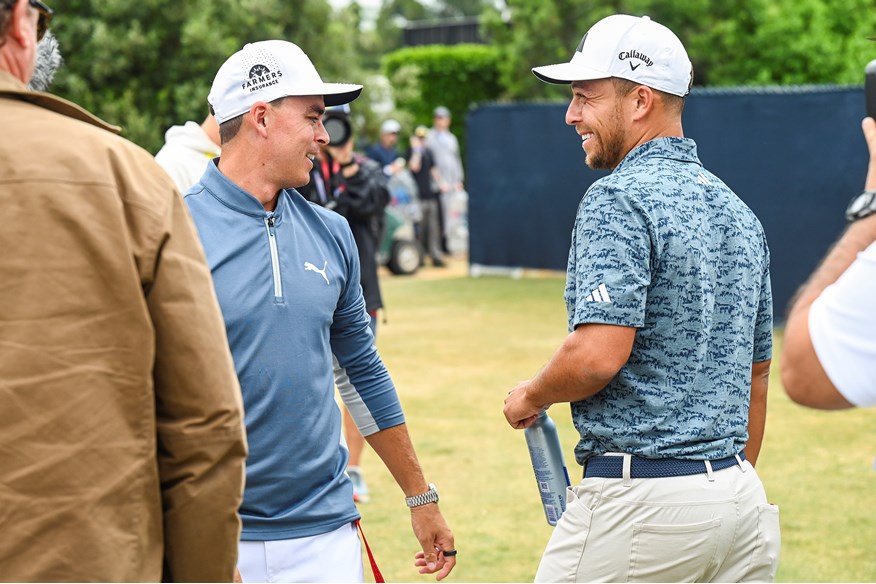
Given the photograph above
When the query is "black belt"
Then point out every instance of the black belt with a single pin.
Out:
(611, 467)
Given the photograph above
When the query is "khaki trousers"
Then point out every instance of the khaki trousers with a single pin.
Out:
(676, 529)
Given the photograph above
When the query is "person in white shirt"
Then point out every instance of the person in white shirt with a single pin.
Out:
(829, 349)
(187, 150)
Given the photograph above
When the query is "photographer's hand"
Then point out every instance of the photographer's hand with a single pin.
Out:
(343, 155)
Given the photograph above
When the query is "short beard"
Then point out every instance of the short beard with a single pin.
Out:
(612, 139)
(48, 60)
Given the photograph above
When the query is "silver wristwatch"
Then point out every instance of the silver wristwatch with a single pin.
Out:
(430, 496)
(862, 206)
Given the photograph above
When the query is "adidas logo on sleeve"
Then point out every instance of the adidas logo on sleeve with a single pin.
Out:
(599, 295)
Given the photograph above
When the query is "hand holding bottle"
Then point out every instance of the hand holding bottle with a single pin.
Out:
(519, 409)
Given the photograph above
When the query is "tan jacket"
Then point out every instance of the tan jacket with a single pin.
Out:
(121, 434)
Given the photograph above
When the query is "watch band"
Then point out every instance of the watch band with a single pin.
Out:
(862, 206)
(430, 496)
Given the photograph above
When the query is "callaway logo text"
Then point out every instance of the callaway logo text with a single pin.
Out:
(634, 54)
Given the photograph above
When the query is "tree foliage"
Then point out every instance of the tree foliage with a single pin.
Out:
(456, 77)
(730, 42)
(393, 15)
(149, 64)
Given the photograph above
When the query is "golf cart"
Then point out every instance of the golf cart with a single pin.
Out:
(399, 250)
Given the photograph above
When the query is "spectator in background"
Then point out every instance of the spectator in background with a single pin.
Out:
(187, 150)
(385, 151)
(121, 424)
(445, 148)
(421, 163)
(829, 347)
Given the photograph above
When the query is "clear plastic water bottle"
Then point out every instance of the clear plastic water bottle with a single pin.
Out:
(549, 466)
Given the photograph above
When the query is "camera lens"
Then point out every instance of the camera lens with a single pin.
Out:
(338, 130)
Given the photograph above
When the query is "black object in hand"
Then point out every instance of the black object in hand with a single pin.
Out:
(870, 88)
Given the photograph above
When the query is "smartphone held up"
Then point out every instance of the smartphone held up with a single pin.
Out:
(870, 88)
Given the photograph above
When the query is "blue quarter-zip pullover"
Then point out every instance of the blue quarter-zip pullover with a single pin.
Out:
(288, 284)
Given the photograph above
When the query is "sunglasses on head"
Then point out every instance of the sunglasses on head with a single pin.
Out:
(45, 17)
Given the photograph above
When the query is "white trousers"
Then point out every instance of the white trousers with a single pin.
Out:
(330, 557)
(675, 529)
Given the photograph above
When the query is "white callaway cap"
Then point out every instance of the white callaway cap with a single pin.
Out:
(629, 47)
(269, 70)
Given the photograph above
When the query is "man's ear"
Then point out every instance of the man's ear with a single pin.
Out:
(643, 98)
(259, 115)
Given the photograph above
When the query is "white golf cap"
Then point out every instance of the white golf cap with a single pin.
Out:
(269, 70)
(629, 47)
(390, 126)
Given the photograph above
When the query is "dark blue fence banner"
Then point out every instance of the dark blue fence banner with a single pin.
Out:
(796, 156)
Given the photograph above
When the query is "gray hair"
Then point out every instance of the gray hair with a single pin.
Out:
(48, 60)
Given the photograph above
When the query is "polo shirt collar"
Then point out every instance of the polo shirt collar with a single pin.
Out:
(672, 148)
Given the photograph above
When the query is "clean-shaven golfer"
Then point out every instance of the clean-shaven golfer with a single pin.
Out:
(287, 276)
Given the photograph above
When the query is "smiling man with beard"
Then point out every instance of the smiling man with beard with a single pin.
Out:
(670, 336)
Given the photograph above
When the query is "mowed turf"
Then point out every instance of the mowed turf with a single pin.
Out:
(456, 345)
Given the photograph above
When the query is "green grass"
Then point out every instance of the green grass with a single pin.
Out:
(456, 345)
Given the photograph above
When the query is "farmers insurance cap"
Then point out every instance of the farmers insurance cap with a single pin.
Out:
(269, 70)
(637, 49)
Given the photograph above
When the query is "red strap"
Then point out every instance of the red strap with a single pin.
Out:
(378, 577)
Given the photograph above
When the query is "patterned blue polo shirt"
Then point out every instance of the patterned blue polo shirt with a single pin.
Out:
(664, 246)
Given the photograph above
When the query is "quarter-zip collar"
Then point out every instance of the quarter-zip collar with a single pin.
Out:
(235, 198)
